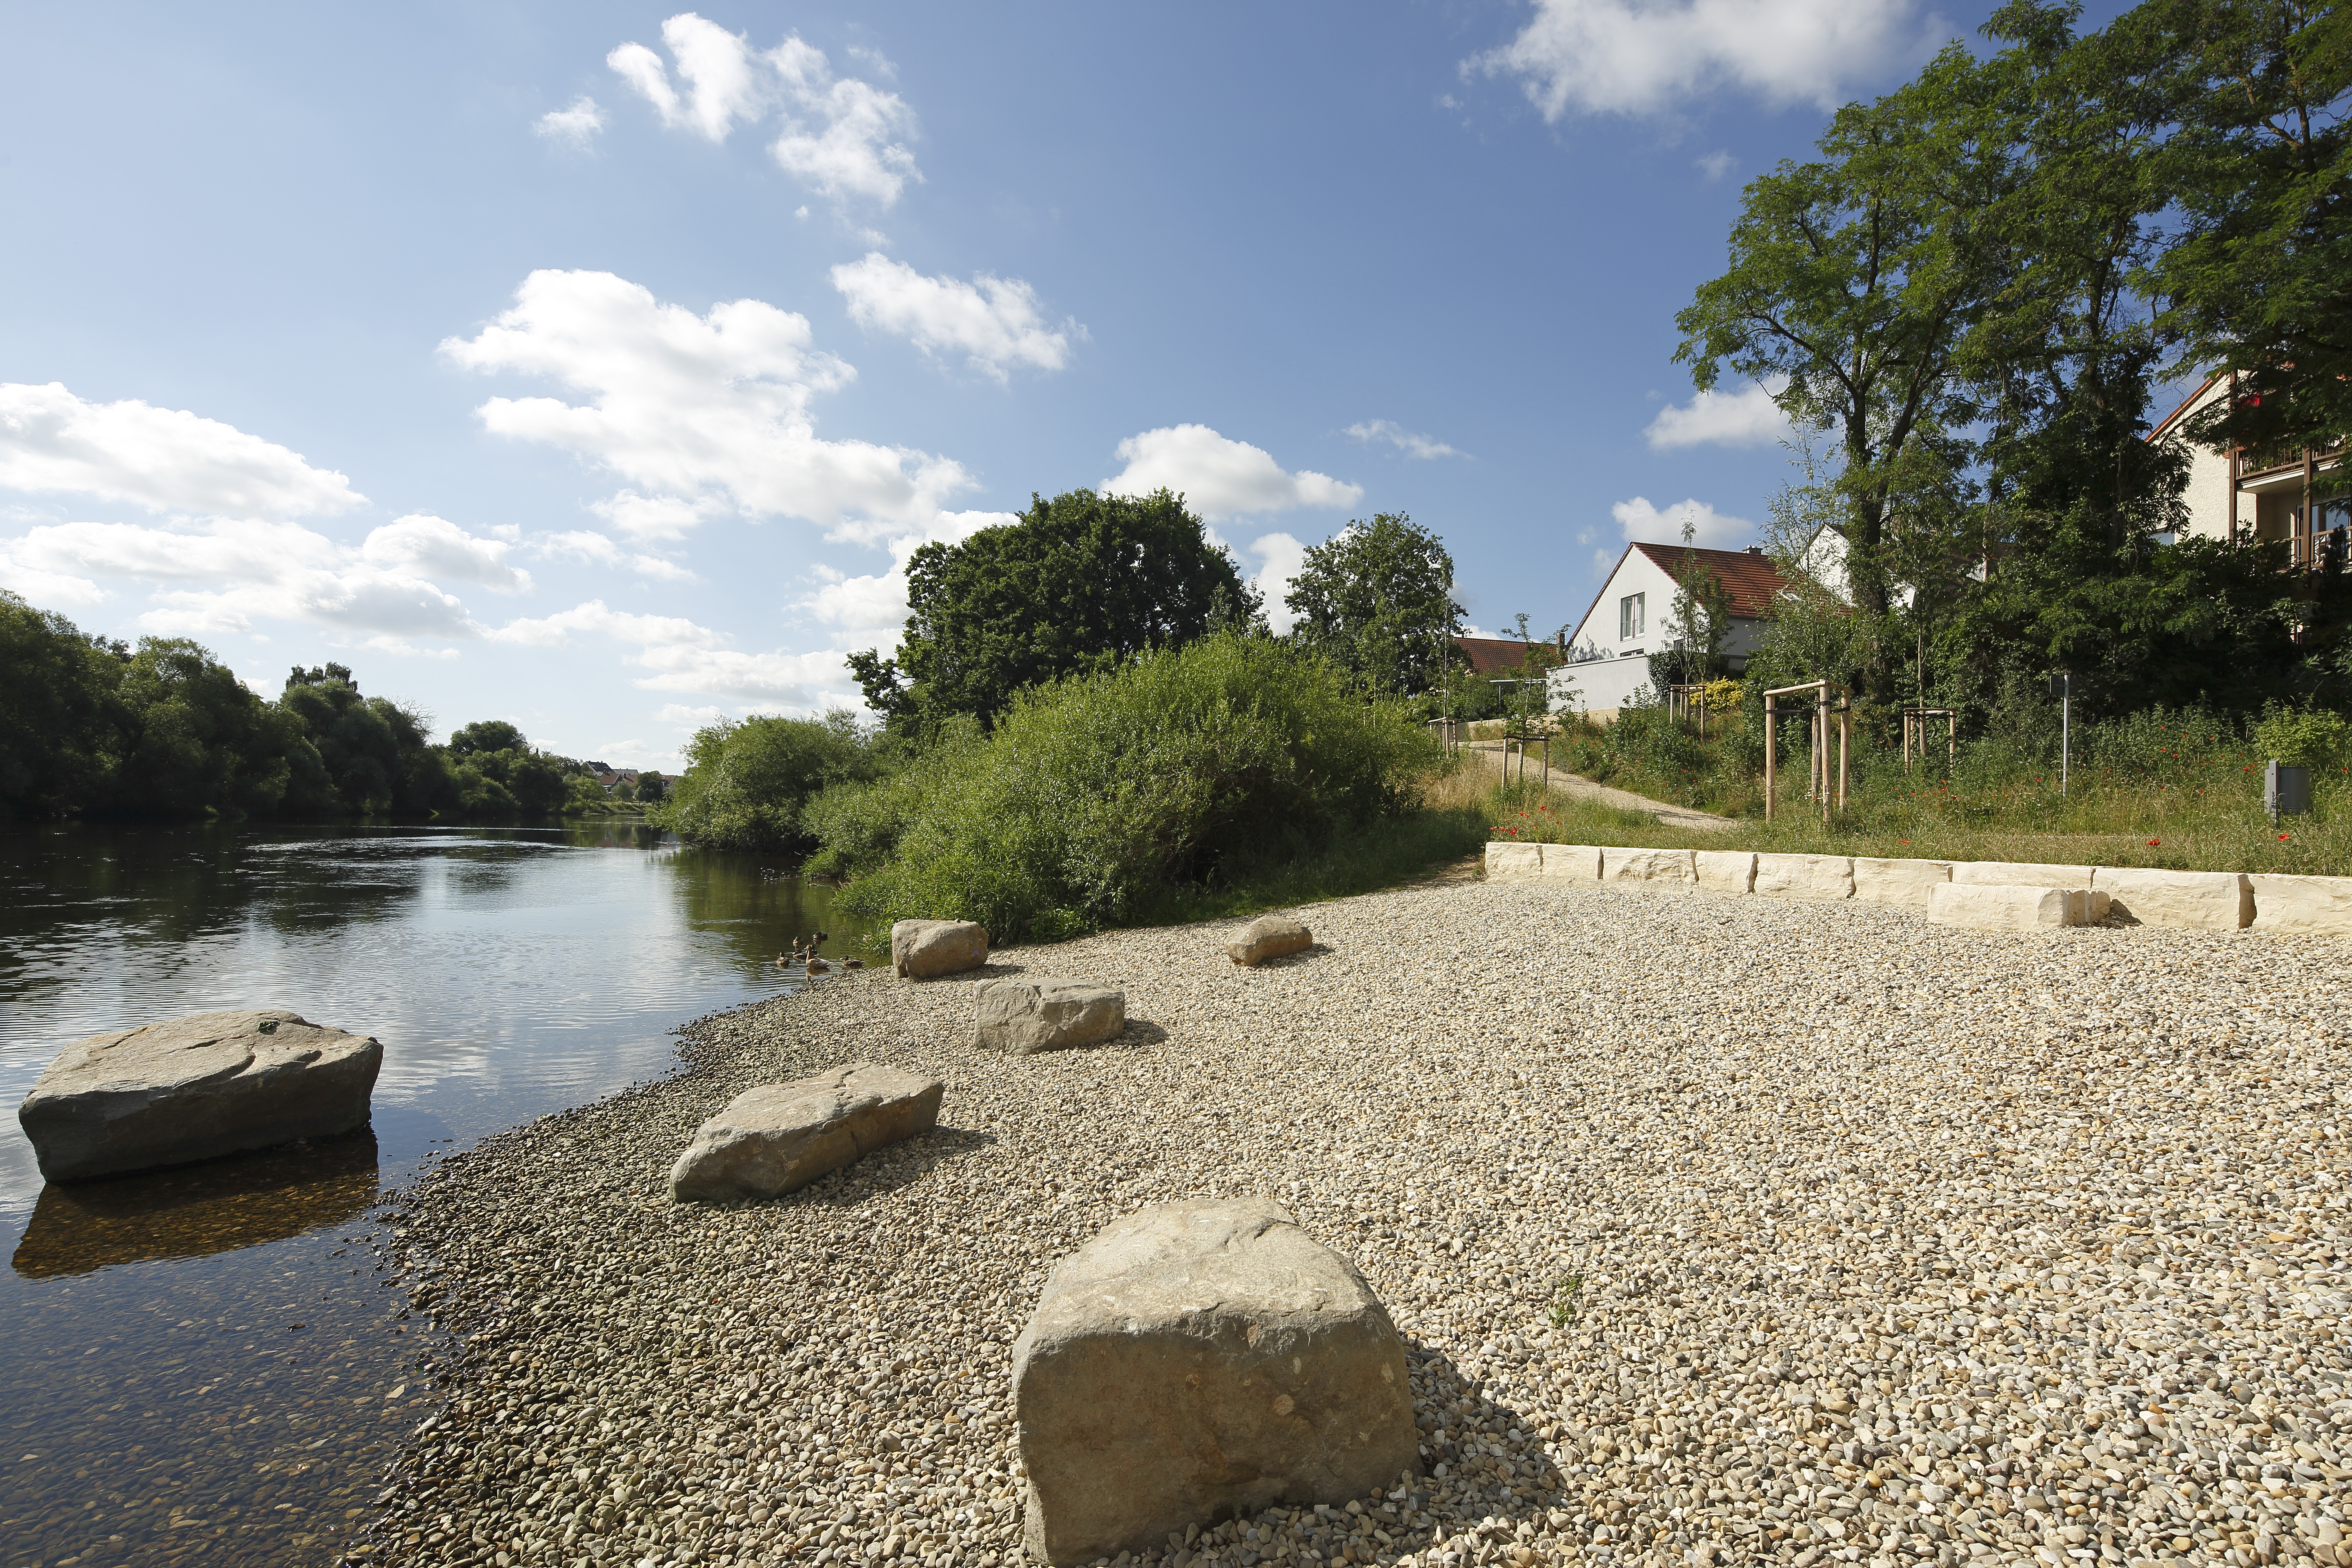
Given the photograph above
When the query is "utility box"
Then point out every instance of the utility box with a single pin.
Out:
(2286, 789)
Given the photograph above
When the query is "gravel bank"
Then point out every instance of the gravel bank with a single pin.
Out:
(1719, 1229)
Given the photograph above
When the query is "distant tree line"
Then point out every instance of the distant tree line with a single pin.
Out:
(92, 727)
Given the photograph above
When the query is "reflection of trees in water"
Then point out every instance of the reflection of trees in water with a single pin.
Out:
(756, 907)
(193, 1211)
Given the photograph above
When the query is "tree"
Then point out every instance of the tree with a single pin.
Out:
(58, 712)
(367, 744)
(651, 788)
(1376, 600)
(1078, 584)
(2259, 282)
(195, 739)
(1855, 281)
(745, 782)
(486, 735)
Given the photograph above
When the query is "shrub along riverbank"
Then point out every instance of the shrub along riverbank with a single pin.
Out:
(1229, 774)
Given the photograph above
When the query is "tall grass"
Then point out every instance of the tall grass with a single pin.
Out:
(2176, 789)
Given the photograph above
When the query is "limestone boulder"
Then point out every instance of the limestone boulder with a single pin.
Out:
(1199, 1361)
(195, 1088)
(1033, 1014)
(1506, 860)
(1651, 865)
(780, 1137)
(2195, 900)
(1826, 877)
(1983, 906)
(1725, 870)
(1902, 883)
(1269, 936)
(2020, 874)
(2303, 906)
(925, 950)
(1572, 862)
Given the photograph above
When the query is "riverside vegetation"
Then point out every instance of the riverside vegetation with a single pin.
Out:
(92, 728)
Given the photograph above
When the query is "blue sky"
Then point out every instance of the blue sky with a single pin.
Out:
(595, 366)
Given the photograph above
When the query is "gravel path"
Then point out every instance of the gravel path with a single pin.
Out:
(1720, 1230)
(1489, 756)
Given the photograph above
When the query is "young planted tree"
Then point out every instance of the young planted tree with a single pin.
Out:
(1080, 584)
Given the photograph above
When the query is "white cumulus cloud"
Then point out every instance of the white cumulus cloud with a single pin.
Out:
(1220, 477)
(839, 135)
(1748, 417)
(599, 550)
(995, 322)
(696, 412)
(1280, 557)
(683, 656)
(1657, 57)
(159, 458)
(1406, 441)
(1711, 530)
(433, 547)
(575, 126)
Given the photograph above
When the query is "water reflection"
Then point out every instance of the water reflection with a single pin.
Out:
(188, 1212)
(206, 1363)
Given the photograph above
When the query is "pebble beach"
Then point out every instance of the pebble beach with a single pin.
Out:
(1718, 1229)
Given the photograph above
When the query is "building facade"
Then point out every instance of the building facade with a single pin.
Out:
(2242, 495)
(1608, 654)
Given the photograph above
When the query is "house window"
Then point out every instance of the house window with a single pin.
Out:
(1628, 616)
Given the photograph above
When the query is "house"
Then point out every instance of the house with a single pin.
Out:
(1631, 618)
(1503, 657)
(2241, 494)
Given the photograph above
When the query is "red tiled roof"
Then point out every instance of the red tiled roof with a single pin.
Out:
(1749, 580)
(1491, 656)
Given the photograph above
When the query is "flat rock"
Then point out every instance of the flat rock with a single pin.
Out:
(1902, 883)
(1982, 906)
(1199, 1361)
(2303, 906)
(1269, 936)
(1823, 877)
(1725, 870)
(1504, 859)
(925, 950)
(195, 1088)
(2192, 900)
(1024, 1017)
(1572, 862)
(1647, 866)
(780, 1137)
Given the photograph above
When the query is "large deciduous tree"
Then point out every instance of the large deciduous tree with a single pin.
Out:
(1079, 584)
(1376, 600)
(1855, 281)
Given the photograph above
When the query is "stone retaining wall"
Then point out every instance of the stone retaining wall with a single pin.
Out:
(2193, 900)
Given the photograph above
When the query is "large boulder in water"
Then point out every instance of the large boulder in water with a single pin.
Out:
(780, 1137)
(1195, 1363)
(193, 1087)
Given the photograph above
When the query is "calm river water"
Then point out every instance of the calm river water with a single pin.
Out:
(205, 1365)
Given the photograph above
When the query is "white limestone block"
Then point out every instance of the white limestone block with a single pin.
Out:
(1995, 906)
(1572, 862)
(1507, 861)
(2020, 874)
(1619, 864)
(2193, 900)
(2303, 906)
(1725, 871)
(1902, 883)
(1826, 877)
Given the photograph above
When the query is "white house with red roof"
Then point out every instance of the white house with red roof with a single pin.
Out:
(1632, 618)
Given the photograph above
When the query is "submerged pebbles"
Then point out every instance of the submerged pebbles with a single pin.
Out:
(1719, 1230)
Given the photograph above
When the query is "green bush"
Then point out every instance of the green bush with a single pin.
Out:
(746, 783)
(2309, 740)
(1100, 798)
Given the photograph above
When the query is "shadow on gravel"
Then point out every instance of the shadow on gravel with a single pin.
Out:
(992, 970)
(1305, 955)
(886, 1170)
(1497, 1474)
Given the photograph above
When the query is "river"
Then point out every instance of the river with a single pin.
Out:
(205, 1365)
